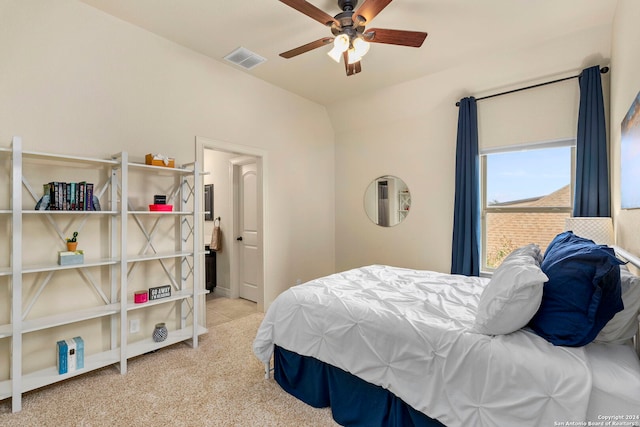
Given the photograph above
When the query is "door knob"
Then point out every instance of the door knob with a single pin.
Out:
(239, 239)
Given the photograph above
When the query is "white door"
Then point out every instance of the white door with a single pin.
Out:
(248, 226)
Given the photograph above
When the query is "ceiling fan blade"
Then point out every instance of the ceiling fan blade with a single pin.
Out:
(351, 69)
(398, 37)
(307, 47)
(345, 59)
(311, 11)
(370, 9)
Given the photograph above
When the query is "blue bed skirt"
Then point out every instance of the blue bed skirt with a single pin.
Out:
(353, 401)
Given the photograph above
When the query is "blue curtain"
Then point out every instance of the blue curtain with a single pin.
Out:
(592, 171)
(465, 256)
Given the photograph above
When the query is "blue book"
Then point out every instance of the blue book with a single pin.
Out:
(61, 357)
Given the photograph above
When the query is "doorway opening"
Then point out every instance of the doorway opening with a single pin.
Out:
(237, 172)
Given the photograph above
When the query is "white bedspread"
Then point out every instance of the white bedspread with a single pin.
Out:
(406, 330)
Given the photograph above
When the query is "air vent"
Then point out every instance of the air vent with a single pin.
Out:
(244, 58)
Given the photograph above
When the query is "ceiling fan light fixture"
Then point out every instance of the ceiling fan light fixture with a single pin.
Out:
(340, 44)
(352, 56)
(351, 40)
(361, 46)
(359, 49)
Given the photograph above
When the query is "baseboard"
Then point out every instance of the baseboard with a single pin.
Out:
(222, 292)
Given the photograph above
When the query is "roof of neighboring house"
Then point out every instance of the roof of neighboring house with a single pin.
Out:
(560, 197)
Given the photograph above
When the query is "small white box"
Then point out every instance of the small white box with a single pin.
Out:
(70, 257)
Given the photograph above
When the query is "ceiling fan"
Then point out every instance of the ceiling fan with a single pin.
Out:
(350, 39)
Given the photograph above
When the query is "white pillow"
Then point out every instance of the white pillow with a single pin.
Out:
(513, 295)
(624, 324)
(532, 250)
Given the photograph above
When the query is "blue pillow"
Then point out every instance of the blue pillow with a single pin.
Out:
(583, 291)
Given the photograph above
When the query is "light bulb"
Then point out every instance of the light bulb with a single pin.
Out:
(340, 44)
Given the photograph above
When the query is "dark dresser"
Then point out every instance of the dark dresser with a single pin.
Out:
(210, 269)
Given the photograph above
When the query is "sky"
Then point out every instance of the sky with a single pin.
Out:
(630, 155)
(523, 174)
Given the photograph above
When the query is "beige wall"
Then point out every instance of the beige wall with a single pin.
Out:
(409, 130)
(78, 81)
(625, 84)
(75, 80)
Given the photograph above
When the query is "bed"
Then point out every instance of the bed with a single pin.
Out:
(384, 345)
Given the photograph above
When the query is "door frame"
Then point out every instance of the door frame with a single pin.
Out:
(260, 157)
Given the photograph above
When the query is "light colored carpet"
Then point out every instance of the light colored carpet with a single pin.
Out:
(221, 383)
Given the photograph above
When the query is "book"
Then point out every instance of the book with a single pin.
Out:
(56, 196)
(89, 196)
(81, 190)
(73, 196)
(65, 196)
(52, 196)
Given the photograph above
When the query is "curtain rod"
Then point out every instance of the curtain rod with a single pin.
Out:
(603, 70)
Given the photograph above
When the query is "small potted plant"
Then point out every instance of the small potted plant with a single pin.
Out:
(72, 242)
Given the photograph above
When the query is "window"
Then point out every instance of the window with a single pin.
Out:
(527, 192)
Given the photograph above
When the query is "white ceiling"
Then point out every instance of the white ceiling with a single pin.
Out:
(459, 30)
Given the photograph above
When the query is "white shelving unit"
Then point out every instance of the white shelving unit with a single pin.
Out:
(38, 319)
(404, 203)
(6, 270)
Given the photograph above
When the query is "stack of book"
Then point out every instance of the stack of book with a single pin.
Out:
(70, 355)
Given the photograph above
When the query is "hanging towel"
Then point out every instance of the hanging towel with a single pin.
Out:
(216, 237)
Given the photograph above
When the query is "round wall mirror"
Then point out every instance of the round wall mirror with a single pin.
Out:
(387, 201)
